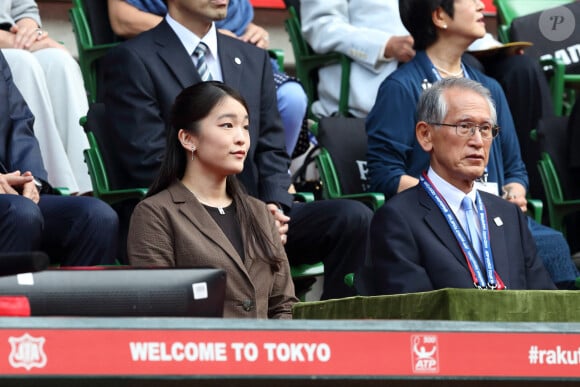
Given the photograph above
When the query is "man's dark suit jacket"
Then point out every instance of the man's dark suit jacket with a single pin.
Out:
(19, 148)
(413, 248)
(145, 74)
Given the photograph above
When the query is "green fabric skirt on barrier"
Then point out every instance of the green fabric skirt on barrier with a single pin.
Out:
(452, 304)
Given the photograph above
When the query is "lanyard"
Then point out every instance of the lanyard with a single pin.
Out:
(479, 280)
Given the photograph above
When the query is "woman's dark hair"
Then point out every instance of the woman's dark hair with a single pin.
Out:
(191, 106)
(416, 16)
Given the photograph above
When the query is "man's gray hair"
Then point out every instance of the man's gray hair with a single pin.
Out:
(432, 106)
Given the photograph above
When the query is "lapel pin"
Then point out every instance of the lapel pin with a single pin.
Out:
(498, 222)
(237, 60)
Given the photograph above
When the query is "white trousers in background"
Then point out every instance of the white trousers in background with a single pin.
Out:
(51, 83)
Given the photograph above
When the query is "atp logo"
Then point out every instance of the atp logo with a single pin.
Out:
(27, 352)
(425, 353)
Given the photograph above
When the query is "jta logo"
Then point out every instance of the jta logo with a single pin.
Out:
(425, 353)
(27, 352)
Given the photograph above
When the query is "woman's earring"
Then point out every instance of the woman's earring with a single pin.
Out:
(444, 26)
(192, 151)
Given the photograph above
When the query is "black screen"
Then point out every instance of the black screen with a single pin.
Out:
(110, 291)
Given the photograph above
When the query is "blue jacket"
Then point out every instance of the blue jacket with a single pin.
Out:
(393, 150)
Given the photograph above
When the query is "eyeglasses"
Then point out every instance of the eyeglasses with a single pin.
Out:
(467, 129)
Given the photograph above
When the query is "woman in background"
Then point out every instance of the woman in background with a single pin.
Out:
(50, 80)
(442, 31)
(197, 214)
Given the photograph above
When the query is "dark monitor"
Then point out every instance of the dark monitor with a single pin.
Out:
(110, 291)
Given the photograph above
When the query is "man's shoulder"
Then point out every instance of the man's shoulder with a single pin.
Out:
(145, 38)
(407, 199)
(141, 45)
(230, 43)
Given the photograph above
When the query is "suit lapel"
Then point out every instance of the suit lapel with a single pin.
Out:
(174, 55)
(497, 233)
(438, 224)
(232, 60)
(194, 211)
(180, 64)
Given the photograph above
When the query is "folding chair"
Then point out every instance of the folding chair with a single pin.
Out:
(307, 62)
(520, 20)
(560, 186)
(99, 170)
(342, 160)
(94, 37)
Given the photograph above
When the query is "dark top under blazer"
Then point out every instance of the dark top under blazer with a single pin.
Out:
(145, 74)
(413, 248)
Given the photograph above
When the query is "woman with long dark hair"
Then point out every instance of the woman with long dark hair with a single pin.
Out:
(196, 213)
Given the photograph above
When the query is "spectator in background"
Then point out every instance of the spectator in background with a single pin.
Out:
(131, 17)
(196, 213)
(144, 75)
(369, 32)
(50, 80)
(443, 29)
(73, 230)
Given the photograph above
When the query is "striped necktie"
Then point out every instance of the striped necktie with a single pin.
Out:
(467, 206)
(201, 64)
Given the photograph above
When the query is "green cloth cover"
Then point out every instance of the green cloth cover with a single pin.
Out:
(452, 304)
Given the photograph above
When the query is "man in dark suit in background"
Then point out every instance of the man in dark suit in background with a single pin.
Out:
(144, 75)
(433, 235)
(73, 230)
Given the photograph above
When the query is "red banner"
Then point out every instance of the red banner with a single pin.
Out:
(489, 7)
(268, 3)
(110, 352)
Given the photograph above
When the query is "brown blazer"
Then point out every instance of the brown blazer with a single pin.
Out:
(172, 228)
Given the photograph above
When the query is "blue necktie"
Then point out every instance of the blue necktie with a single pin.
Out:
(473, 234)
(201, 64)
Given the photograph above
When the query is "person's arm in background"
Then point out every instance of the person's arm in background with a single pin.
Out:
(391, 137)
(128, 21)
(26, 21)
(326, 26)
(239, 24)
(26, 31)
(256, 35)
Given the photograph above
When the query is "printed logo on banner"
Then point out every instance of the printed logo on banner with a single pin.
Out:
(27, 352)
(425, 353)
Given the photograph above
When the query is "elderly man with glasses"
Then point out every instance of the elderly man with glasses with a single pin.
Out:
(447, 231)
